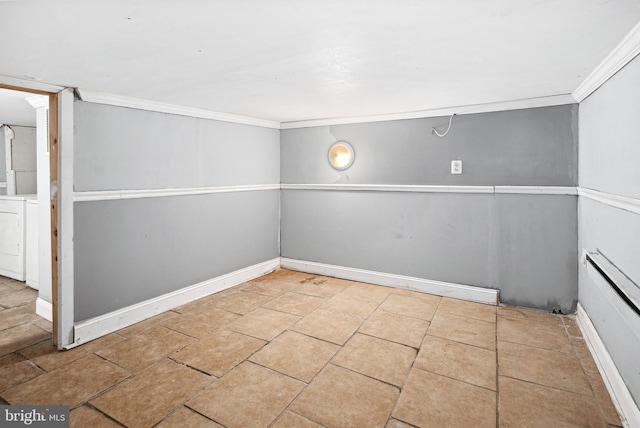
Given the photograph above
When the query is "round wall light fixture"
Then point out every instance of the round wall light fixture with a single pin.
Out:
(341, 155)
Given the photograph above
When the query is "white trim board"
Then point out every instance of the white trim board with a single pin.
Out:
(105, 195)
(140, 104)
(554, 100)
(447, 289)
(616, 201)
(536, 190)
(390, 188)
(93, 328)
(621, 55)
(524, 190)
(616, 387)
(44, 309)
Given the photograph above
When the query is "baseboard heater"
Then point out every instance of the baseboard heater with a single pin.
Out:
(619, 282)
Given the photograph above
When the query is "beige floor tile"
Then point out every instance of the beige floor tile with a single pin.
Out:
(410, 306)
(295, 303)
(584, 355)
(15, 369)
(336, 282)
(547, 334)
(607, 409)
(263, 323)
(49, 358)
(376, 293)
(394, 423)
(21, 336)
(377, 358)
(296, 355)
(333, 327)
(19, 315)
(459, 361)
(549, 368)
(321, 288)
(219, 352)
(571, 325)
(147, 398)
(396, 328)
(468, 309)
(247, 396)
(44, 324)
(338, 397)
(430, 400)
(147, 324)
(6, 288)
(70, 385)
(204, 301)
(241, 302)
(274, 287)
(349, 304)
(296, 276)
(85, 416)
(525, 314)
(16, 298)
(524, 404)
(415, 294)
(292, 420)
(465, 330)
(201, 322)
(147, 348)
(186, 418)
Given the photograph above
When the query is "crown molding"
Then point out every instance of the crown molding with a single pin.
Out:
(25, 84)
(549, 101)
(626, 50)
(140, 104)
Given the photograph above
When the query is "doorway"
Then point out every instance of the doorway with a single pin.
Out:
(44, 105)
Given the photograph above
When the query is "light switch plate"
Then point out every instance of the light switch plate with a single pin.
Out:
(456, 167)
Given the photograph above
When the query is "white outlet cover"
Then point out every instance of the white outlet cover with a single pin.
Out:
(456, 167)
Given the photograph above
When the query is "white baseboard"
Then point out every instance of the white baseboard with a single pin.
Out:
(93, 328)
(44, 309)
(456, 291)
(618, 391)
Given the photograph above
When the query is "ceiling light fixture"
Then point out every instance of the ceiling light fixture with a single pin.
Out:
(341, 155)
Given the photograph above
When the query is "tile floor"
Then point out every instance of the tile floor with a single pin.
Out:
(297, 350)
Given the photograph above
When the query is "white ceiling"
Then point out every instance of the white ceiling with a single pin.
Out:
(288, 60)
(15, 110)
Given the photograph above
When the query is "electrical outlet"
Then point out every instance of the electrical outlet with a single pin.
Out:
(456, 167)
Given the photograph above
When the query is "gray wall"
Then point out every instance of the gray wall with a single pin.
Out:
(128, 251)
(609, 159)
(523, 245)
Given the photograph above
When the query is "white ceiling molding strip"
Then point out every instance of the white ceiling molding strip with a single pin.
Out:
(121, 101)
(537, 190)
(616, 201)
(30, 84)
(626, 50)
(390, 188)
(553, 100)
(107, 195)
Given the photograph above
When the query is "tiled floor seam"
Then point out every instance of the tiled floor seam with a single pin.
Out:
(170, 358)
(91, 406)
